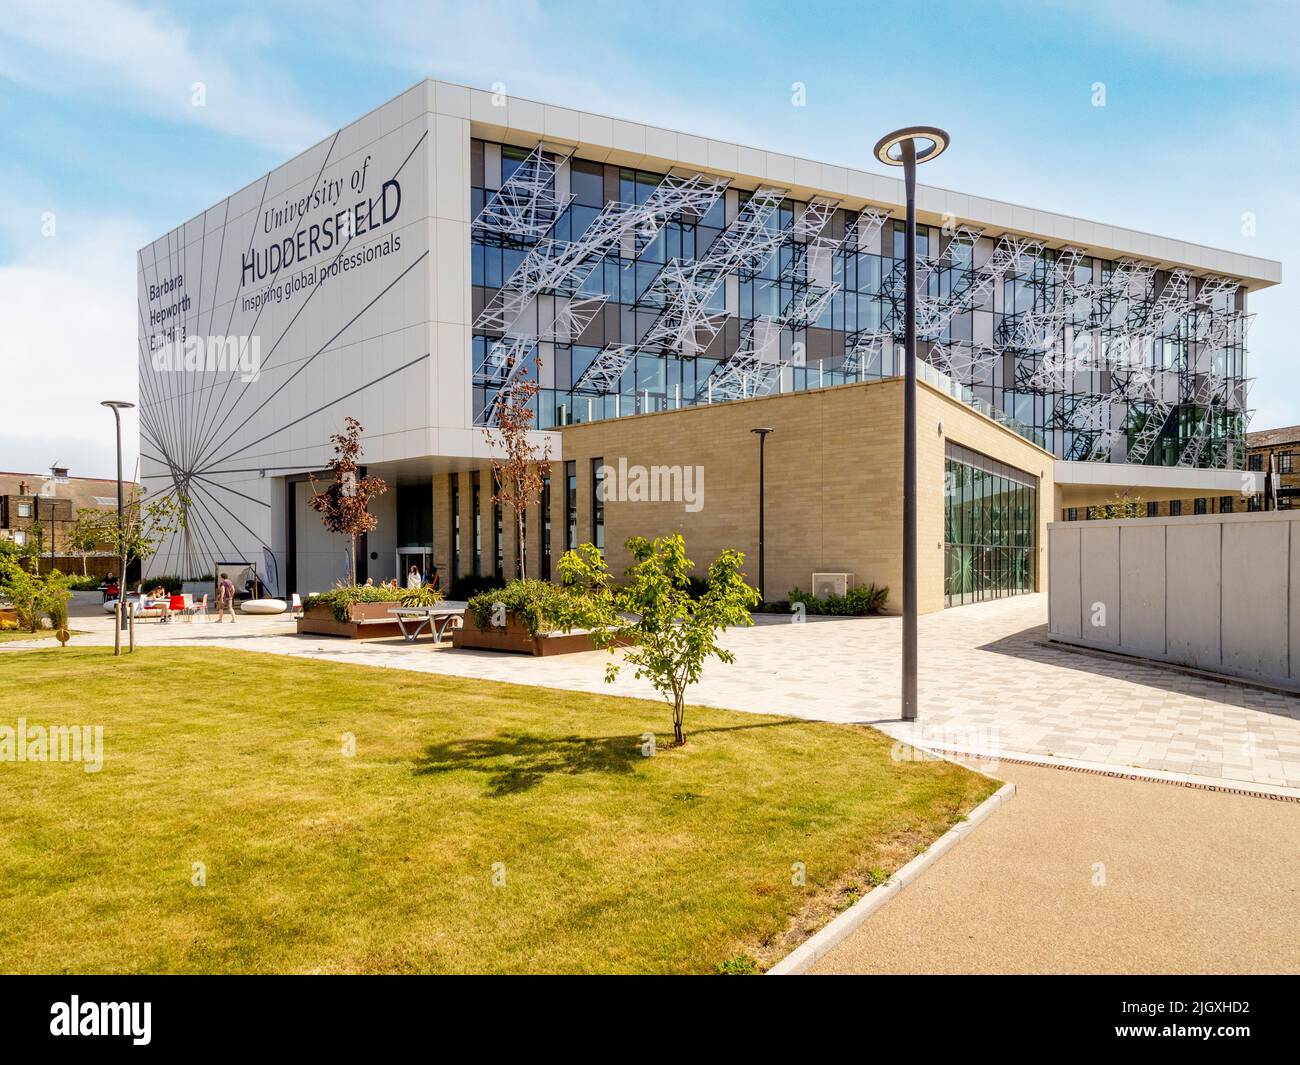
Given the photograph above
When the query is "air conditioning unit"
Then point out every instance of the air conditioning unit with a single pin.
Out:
(828, 584)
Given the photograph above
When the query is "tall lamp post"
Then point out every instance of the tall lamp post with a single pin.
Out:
(762, 478)
(118, 406)
(905, 148)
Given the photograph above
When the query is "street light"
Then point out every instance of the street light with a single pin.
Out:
(118, 406)
(900, 148)
(762, 447)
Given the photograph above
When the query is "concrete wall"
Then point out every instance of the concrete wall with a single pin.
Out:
(833, 477)
(1213, 592)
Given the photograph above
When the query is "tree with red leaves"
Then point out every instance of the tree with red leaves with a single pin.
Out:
(518, 475)
(343, 505)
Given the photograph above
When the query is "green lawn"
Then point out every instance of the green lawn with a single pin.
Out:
(383, 862)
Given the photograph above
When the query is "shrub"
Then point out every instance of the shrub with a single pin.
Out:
(537, 605)
(341, 597)
(858, 602)
(33, 596)
(170, 583)
(84, 584)
(421, 596)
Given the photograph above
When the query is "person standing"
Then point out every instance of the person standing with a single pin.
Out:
(413, 577)
(225, 599)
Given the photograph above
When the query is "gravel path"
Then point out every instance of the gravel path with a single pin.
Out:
(1194, 882)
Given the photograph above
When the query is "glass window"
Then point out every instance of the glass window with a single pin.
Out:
(1284, 462)
(1199, 506)
(598, 503)
(24, 510)
(571, 504)
(1255, 463)
(1175, 508)
(1153, 510)
(455, 526)
(478, 524)
(989, 528)
(546, 528)
(499, 539)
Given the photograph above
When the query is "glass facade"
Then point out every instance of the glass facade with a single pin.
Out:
(598, 503)
(990, 528)
(1099, 409)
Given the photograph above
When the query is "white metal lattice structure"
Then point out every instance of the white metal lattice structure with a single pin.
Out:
(502, 363)
(860, 234)
(606, 369)
(755, 367)
(525, 207)
(968, 364)
(686, 289)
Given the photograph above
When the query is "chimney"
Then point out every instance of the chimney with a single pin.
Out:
(60, 474)
(22, 488)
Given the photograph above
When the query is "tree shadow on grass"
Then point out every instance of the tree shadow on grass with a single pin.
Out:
(515, 762)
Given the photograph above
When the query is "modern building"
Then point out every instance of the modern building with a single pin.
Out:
(667, 293)
(37, 510)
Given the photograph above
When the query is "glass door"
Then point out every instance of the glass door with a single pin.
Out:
(419, 557)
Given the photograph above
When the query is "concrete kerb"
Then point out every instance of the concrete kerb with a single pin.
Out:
(803, 957)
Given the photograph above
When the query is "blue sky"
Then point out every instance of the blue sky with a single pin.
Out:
(98, 134)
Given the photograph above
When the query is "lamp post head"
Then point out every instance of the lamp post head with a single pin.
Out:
(763, 431)
(929, 142)
(117, 404)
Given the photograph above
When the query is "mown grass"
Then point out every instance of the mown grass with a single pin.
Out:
(383, 861)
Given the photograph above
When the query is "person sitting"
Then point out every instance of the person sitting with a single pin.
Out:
(159, 597)
(370, 582)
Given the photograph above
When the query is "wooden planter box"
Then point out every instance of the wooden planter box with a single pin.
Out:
(366, 621)
(515, 637)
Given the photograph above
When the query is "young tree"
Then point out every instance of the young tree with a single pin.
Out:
(671, 635)
(1122, 506)
(35, 546)
(87, 533)
(520, 473)
(342, 505)
(143, 528)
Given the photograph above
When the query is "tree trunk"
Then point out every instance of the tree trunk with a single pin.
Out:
(519, 542)
(679, 714)
(352, 560)
(84, 572)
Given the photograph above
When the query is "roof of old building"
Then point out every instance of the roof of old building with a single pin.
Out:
(1287, 434)
(98, 492)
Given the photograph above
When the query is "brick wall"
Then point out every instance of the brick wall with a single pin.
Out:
(834, 482)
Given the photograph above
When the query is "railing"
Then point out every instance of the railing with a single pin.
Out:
(560, 407)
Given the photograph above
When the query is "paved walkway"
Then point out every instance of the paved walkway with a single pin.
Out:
(988, 684)
(1126, 877)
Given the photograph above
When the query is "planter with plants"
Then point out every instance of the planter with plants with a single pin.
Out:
(526, 617)
(361, 611)
(855, 603)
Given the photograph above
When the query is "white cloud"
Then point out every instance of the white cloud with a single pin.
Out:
(149, 63)
(67, 342)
